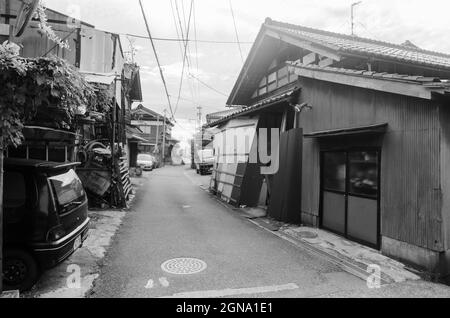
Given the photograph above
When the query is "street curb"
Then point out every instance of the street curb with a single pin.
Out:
(341, 262)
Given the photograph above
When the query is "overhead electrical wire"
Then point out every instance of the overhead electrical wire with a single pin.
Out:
(179, 21)
(184, 57)
(196, 51)
(236, 31)
(184, 40)
(162, 39)
(193, 85)
(157, 61)
(176, 28)
(208, 86)
(184, 14)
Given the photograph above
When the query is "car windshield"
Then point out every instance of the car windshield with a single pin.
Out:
(206, 153)
(145, 158)
(68, 188)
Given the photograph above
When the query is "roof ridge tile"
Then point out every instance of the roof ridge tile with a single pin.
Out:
(355, 38)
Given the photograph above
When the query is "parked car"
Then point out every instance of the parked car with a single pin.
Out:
(146, 162)
(205, 161)
(156, 161)
(45, 218)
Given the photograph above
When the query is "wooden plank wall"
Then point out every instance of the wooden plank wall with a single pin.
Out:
(410, 171)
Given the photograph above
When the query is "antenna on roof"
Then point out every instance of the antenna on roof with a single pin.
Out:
(353, 15)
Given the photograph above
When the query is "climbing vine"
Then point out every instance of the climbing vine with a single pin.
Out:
(46, 29)
(35, 86)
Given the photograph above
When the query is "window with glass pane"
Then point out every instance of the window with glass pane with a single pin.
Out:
(283, 81)
(272, 77)
(363, 173)
(335, 171)
(283, 72)
(263, 82)
(272, 87)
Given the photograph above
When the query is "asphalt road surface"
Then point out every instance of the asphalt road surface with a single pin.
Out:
(173, 218)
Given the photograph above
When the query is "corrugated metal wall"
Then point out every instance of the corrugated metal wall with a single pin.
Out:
(444, 116)
(410, 168)
(100, 52)
(36, 45)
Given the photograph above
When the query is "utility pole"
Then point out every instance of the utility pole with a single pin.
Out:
(164, 139)
(353, 15)
(157, 134)
(199, 126)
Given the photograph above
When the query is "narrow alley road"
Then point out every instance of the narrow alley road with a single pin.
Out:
(174, 218)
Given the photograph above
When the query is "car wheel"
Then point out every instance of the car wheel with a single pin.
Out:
(20, 270)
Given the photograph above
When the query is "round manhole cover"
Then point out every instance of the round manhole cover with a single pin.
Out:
(183, 266)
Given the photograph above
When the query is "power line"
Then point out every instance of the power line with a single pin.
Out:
(179, 20)
(176, 27)
(184, 40)
(196, 51)
(157, 60)
(161, 39)
(208, 86)
(184, 14)
(184, 57)
(236, 31)
(193, 102)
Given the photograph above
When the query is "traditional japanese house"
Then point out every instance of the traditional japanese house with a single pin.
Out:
(375, 143)
(156, 129)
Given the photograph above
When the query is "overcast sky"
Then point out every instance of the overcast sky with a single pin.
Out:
(425, 23)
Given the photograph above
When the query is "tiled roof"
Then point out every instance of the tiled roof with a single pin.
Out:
(142, 109)
(362, 46)
(224, 113)
(422, 80)
(266, 102)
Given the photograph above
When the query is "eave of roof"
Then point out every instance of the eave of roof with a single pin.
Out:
(256, 107)
(151, 113)
(363, 46)
(223, 113)
(100, 78)
(370, 129)
(415, 86)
